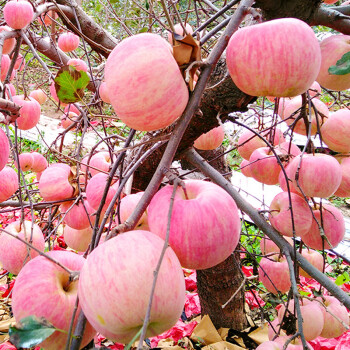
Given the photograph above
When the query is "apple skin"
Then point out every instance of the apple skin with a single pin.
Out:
(54, 297)
(39, 95)
(29, 113)
(78, 240)
(78, 64)
(18, 13)
(68, 42)
(271, 332)
(14, 253)
(295, 104)
(4, 149)
(71, 108)
(101, 161)
(333, 226)
(48, 17)
(344, 187)
(68, 119)
(280, 214)
(335, 131)
(267, 246)
(26, 161)
(332, 327)
(314, 258)
(198, 234)
(127, 206)
(39, 162)
(269, 345)
(315, 89)
(210, 140)
(76, 216)
(8, 183)
(332, 50)
(145, 85)
(179, 30)
(313, 320)
(260, 68)
(274, 274)
(103, 91)
(319, 175)
(5, 65)
(245, 168)
(9, 44)
(134, 255)
(295, 344)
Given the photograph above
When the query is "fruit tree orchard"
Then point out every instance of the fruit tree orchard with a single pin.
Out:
(151, 80)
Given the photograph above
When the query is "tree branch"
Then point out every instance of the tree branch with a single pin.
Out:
(331, 18)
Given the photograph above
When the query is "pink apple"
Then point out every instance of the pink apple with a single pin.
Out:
(283, 70)
(280, 214)
(132, 258)
(48, 17)
(274, 274)
(333, 225)
(101, 161)
(314, 258)
(335, 131)
(78, 64)
(77, 239)
(4, 149)
(332, 50)
(71, 108)
(14, 253)
(95, 189)
(10, 90)
(274, 329)
(9, 44)
(77, 216)
(18, 13)
(332, 327)
(144, 82)
(267, 246)
(68, 119)
(210, 140)
(205, 226)
(282, 105)
(269, 345)
(103, 91)
(39, 95)
(180, 31)
(315, 89)
(319, 175)
(8, 183)
(295, 344)
(68, 42)
(26, 161)
(54, 298)
(5, 65)
(291, 113)
(344, 187)
(39, 162)
(29, 113)
(127, 206)
(245, 168)
(55, 183)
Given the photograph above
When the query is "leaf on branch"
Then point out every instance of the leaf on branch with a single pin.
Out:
(30, 331)
(70, 84)
(342, 66)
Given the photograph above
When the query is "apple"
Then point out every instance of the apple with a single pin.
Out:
(267, 246)
(210, 140)
(78, 64)
(39, 95)
(335, 131)
(54, 298)
(101, 161)
(14, 253)
(280, 214)
(68, 42)
(39, 162)
(295, 344)
(332, 327)
(292, 112)
(29, 113)
(68, 119)
(344, 187)
(274, 274)
(260, 68)
(4, 149)
(77, 239)
(282, 104)
(20, 62)
(5, 65)
(245, 168)
(10, 90)
(9, 44)
(314, 258)
(288, 148)
(127, 206)
(269, 345)
(145, 84)
(205, 225)
(132, 258)
(332, 50)
(333, 225)
(315, 89)
(274, 328)
(103, 91)
(55, 183)
(8, 183)
(95, 189)
(77, 216)
(48, 17)
(71, 108)
(26, 161)
(18, 13)
(178, 29)
(54, 94)
(319, 174)
(313, 320)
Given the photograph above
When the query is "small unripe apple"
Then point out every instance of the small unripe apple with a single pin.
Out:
(77, 216)
(344, 187)
(68, 119)
(18, 13)
(101, 161)
(68, 42)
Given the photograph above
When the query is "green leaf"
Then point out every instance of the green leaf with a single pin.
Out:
(30, 331)
(341, 279)
(70, 84)
(342, 66)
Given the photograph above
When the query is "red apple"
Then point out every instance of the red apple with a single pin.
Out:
(245, 168)
(68, 119)
(210, 140)
(18, 13)
(39, 162)
(335, 131)
(269, 345)
(9, 44)
(260, 68)
(344, 187)
(77, 216)
(10, 90)
(39, 95)
(29, 113)
(144, 82)
(332, 50)
(5, 65)
(78, 64)
(267, 246)
(8, 183)
(315, 89)
(314, 258)
(54, 298)
(274, 274)
(4, 149)
(205, 226)
(101, 161)
(77, 239)
(68, 42)
(180, 31)
(333, 225)
(295, 344)
(280, 214)
(26, 161)
(103, 91)
(48, 17)
(132, 258)
(14, 253)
